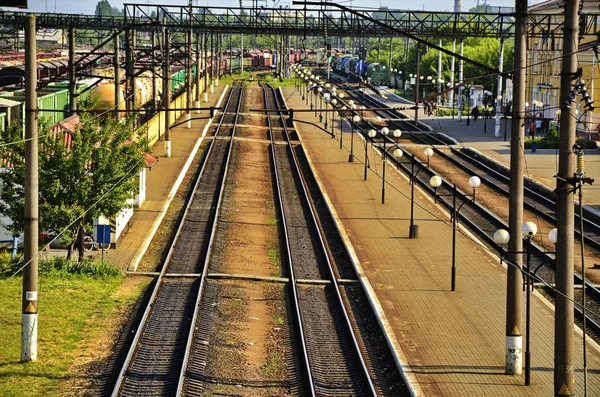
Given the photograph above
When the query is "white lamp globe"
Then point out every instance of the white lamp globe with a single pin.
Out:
(356, 118)
(435, 181)
(372, 133)
(474, 182)
(428, 152)
(397, 153)
(501, 237)
(529, 229)
(385, 131)
(397, 133)
(553, 235)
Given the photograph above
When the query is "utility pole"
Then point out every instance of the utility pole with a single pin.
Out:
(72, 73)
(29, 316)
(461, 65)
(188, 72)
(564, 372)
(417, 85)
(452, 63)
(117, 77)
(198, 69)
(514, 337)
(167, 91)
(499, 91)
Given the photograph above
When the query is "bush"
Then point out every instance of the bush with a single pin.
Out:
(6, 264)
(551, 141)
(61, 266)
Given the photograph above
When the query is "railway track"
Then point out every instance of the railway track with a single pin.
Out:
(158, 352)
(332, 357)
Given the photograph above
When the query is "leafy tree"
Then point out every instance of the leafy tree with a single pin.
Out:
(103, 9)
(95, 175)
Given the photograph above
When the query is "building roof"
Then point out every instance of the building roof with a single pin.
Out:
(558, 5)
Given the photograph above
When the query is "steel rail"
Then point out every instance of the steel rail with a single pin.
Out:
(205, 265)
(161, 275)
(288, 250)
(333, 278)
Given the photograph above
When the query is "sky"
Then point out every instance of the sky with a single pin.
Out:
(89, 6)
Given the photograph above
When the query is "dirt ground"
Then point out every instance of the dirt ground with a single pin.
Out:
(250, 348)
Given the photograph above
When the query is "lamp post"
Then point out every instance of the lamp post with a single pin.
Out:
(342, 113)
(333, 104)
(384, 131)
(326, 99)
(356, 120)
(320, 90)
(371, 134)
(306, 88)
(413, 229)
(397, 134)
(436, 182)
(501, 237)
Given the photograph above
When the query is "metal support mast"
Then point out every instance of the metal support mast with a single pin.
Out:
(564, 372)
(72, 73)
(499, 91)
(167, 91)
(29, 316)
(514, 337)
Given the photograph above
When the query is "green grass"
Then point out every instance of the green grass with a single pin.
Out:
(71, 308)
(274, 364)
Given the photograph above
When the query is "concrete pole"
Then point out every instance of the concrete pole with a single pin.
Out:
(132, 77)
(205, 68)
(514, 337)
(460, 80)
(154, 82)
(564, 371)
(439, 75)
(198, 69)
(499, 91)
(167, 92)
(212, 63)
(230, 55)
(188, 76)
(452, 63)
(117, 77)
(29, 316)
(242, 55)
(417, 84)
(128, 72)
(218, 57)
(72, 73)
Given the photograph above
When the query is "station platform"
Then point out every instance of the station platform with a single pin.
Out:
(541, 166)
(449, 343)
(162, 183)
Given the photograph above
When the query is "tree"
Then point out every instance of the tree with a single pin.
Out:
(95, 175)
(103, 9)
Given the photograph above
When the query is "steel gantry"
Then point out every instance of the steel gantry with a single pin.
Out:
(313, 21)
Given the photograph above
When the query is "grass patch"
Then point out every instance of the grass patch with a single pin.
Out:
(272, 222)
(72, 309)
(278, 320)
(274, 364)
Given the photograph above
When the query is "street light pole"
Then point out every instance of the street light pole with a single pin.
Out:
(355, 121)
(333, 105)
(384, 132)
(436, 182)
(413, 229)
(502, 237)
(371, 134)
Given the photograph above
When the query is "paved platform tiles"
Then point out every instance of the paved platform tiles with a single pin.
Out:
(453, 343)
(159, 182)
